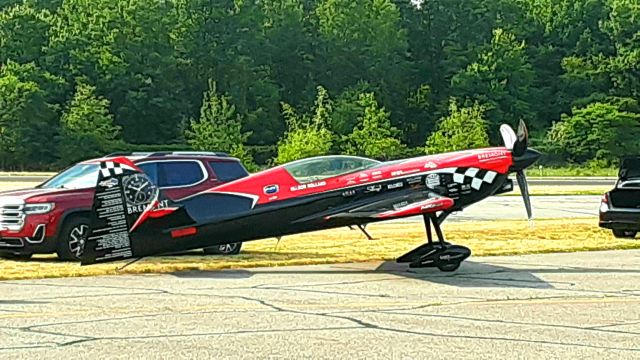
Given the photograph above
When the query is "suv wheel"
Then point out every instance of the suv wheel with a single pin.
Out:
(224, 249)
(72, 238)
(624, 234)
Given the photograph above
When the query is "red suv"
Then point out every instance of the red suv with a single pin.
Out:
(54, 216)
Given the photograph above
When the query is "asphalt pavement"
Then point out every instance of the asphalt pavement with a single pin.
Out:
(551, 306)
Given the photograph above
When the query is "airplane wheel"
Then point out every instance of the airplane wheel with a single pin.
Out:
(224, 249)
(448, 267)
(624, 234)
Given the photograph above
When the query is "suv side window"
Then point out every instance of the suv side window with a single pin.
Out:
(151, 170)
(228, 170)
(174, 173)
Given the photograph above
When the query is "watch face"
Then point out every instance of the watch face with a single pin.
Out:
(138, 189)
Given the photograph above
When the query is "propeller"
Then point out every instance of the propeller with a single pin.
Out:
(522, 157)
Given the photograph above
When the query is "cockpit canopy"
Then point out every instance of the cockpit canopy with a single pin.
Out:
(323, 167)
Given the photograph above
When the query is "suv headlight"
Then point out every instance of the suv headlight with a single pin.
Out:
(41, 208)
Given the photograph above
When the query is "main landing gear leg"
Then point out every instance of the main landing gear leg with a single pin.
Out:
(444, 256)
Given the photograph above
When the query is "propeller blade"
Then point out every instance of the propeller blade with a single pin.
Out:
(524, 190)
(522, 141)
(508, 136)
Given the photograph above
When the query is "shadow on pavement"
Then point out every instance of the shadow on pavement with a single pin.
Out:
(470, 274)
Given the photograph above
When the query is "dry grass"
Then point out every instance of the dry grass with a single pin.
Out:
(16, 185)
(344, 245)
(540, 190)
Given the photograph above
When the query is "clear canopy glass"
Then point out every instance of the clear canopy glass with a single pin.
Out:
(323, 167)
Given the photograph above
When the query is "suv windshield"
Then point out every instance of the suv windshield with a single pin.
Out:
(76, 177)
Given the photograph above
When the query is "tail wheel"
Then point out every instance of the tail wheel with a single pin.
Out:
(224, 249)
(73, 238)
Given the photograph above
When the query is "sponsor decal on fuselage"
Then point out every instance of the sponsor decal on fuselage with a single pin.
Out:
(134, 209)
(109, 183)
(271, 189)
(404, 172)
(428, 206)
(433, 180)
(400, 205)
(396, 185)
(373, 188)
(308, 186)
(414, 180)
(492, 155)
(348, 193)
(430, 165)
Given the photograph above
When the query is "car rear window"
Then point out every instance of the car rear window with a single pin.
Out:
(228, 170)
(174, 173)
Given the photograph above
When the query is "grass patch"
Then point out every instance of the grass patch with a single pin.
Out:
(553, 190)
(344, 245)
(572, 171)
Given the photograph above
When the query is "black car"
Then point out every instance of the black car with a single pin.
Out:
(620, 207)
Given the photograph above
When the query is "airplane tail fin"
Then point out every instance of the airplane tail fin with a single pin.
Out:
(128, 215)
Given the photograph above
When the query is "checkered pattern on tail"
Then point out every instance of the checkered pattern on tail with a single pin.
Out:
(110, 168)
(473, 176)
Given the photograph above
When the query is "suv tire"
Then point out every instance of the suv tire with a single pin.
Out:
(72, 238)
(626, 234)
(224, 249)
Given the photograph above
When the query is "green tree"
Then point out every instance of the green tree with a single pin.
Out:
(601, 131)
(219, 127)
(373, 135)
(23, 33)
(307, 135)
(27, 117)
(464, 128)
(86, 127)
(127, 50)
(500, 79)
(230, 42)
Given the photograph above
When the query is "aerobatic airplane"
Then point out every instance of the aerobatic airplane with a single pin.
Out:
(132, 219)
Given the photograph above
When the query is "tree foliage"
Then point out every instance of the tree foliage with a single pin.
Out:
(308, 134)
(464, 128)
(533, 60)
(373, 136)
(27, 118)
(219, 127)
(87, 127)
(600, 131)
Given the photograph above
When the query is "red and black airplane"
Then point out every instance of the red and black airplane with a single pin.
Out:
(131, 218)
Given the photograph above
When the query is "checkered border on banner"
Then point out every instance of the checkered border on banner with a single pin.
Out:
(110, 168)
(473, 176)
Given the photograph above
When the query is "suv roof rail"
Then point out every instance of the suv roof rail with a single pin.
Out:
(201, 153)
(165, 153)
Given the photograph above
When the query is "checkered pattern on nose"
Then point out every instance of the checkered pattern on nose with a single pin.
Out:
(473, 176)
(110, 168)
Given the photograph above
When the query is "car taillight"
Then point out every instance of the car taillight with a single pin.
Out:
(604, 203)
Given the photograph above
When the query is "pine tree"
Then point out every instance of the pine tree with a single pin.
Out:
(87, 128)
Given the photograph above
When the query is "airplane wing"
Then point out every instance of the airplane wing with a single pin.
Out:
(432, 204)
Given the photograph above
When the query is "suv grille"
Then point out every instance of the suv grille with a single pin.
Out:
(11, 216)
